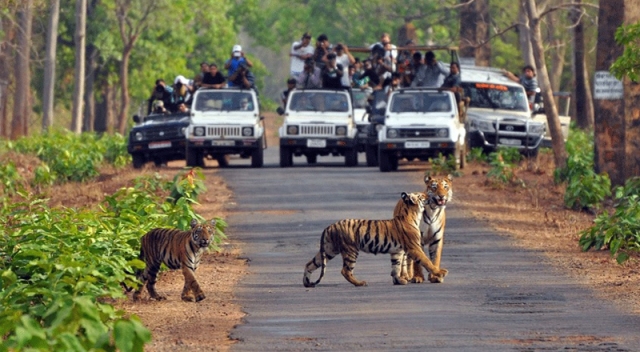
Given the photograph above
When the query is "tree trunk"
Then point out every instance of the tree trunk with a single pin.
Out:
(124, 87)
(557, 139)
(21, 107)
(583, 99)
(524, 36)
(78, 90)
(50, 66)
(7, 28)
(474, 29)
(89, 96)
(558, 50)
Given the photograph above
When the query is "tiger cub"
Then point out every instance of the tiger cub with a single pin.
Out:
(397, 236)
(176, 249)
(439, 192)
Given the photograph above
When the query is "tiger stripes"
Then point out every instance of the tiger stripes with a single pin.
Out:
(439, 192)
(397, 236)
(177, 250)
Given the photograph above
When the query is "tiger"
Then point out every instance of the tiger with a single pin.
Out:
(176, 249)
(397, 236)
(439, 192)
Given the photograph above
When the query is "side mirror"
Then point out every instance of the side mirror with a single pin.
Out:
(137, 119)
(280, 110)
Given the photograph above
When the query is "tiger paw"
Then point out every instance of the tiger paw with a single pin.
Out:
(187, 298)
(438, 277)
(399, 281)
(418, 279)
(200, 297)
(159, 297)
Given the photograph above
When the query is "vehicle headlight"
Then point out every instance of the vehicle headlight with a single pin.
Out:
(247, 131)
(139, 136)
(292, 129)
(392, 133)
(537, 128)
(198, 131)
(182, 131)
(378, 128)
(483, 125)
(341, 130)
(442, 133)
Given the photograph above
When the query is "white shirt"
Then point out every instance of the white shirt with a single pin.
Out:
(344, 61)
(392, 54)
(297, 64)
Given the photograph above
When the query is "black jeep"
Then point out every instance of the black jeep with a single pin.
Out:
(159, 138)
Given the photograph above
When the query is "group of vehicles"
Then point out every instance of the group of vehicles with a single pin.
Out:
(408, 123)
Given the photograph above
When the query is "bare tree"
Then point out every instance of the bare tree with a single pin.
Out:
(474, 31)
(78, 90)
(50, 66)
(557, 139)
(583, 98)
(524, 34)
(21, 106)
(131, 23)
(7, 27)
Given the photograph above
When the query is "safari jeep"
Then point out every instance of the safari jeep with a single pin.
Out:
(318, 122)
(498, 113)
(225, 122)
(420, 124)
(157, 137)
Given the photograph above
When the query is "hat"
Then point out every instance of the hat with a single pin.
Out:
(237, 50)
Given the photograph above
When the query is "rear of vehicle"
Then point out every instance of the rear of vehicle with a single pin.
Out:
(499, 114)
(420, 124)
(158, 138)
(225, 122)
(318, 122)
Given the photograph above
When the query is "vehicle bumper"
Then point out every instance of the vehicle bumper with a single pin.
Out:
(224, 146)
(163, 149)
(418, 149)
(318, 145)
(492, 140)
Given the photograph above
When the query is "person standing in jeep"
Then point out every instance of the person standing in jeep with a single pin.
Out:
(527, 79)
(332, 73)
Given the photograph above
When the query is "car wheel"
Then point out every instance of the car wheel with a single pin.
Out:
(286, 157)
(351, 157)
(223, 160)
(371, 153)
(384, 160)
(257, 156)
(138, 160)
(312, 158)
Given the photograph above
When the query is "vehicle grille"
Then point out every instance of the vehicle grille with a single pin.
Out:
(416, 132)
(224, 131)
(162, 133)
(317, 130)
(509, 127)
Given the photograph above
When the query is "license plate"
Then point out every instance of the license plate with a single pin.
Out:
(417, 144)
(223, 143)
(316, 143)
(158, 145)
(507, 141)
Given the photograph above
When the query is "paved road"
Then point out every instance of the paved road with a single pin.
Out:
(496, 297)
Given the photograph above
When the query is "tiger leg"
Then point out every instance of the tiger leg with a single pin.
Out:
(348, 263)
(150, 275)
(421, 258)
(404, 271)
(418, 276)
(312, 266)
(191, 286)
(398, 262)
(435, 252)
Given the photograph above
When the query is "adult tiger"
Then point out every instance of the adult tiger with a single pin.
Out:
(176, 249)
(439, 193)
(397, 236)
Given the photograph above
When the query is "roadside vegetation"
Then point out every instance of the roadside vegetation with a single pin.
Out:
(62, 268)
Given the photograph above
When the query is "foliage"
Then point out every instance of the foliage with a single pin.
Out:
(443, 165)
(628, 63)
(59, 266)
(503, 163)
(476, 154)
(585, 188)
(620, 230)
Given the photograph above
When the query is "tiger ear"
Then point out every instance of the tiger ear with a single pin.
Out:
(194, 222)
(404, 196)
(427, 178)
(450, 177)
(213, 223)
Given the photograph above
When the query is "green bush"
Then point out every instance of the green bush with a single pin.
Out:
(585, 189)
(620, 230)
(443, 165)
(503, 163)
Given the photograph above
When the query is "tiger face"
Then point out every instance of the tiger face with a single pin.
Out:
(414, 199)
(439, 190)
(202, 234)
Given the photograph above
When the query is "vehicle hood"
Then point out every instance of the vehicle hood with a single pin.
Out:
(224, 117)
(318, 118)
(416, 119)
(490, 114)
(360, 116)
(177, 120)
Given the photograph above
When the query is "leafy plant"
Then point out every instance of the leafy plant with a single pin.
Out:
(476, 154)
(443, 165)
(620, 230)
(503, 165)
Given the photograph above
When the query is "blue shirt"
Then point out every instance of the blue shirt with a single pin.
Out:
(234, 63)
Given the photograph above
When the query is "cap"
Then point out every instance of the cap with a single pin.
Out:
(237, 49)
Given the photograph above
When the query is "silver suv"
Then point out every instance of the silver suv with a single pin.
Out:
(318, 122)
(224, 122)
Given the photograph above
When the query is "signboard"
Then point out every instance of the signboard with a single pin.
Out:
(607, 87)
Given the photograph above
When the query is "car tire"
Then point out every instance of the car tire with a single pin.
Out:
(384, 161)
(138, 160)
(257, 156)
(194, 158)
(312, 158)
(286, 157)
(223, 160)
(351, 157)
(371, 153)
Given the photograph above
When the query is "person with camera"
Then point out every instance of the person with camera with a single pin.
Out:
(161, 92)
(323, 48)
(431, 74)
(332, 73)
(242, 78)
(237, 58)
(300, 51)
(310, 77)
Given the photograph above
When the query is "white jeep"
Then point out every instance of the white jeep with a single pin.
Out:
(420, 123)
(225, 122)
(318, 122)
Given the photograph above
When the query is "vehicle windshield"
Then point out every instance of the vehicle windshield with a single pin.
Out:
(319, 101)
(495, 96)
(155, 116)
(224, 101)
(411, 102)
